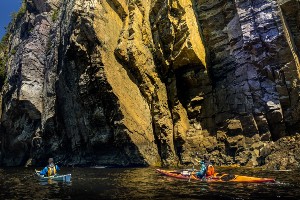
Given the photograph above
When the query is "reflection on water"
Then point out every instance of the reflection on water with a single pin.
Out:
(143, 183)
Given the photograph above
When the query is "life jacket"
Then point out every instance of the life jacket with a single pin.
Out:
(51, 170)
(210, 170)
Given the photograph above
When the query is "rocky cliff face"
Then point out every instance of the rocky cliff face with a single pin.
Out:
(131, 82)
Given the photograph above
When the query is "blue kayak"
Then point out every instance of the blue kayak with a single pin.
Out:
(63, 178)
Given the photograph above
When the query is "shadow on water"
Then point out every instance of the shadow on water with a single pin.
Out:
(143, 183)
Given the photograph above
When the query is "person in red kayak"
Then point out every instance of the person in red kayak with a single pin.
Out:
(51, 169)
(206, 168)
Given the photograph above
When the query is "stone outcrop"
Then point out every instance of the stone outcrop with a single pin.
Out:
(136, 83)
(280, 155)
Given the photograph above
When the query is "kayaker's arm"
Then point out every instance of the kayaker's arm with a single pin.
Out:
(57, 168)
(44, 171)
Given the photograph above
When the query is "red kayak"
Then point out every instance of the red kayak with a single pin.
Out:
(217, 177)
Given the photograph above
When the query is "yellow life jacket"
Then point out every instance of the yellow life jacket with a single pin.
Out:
(51, 170)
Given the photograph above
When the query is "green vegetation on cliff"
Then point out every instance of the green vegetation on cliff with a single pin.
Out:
(4, 44)
(18, 15)
(3, 58)
(55, 15)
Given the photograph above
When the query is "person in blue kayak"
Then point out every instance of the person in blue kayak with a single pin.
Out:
(51, 169)
(206, 168)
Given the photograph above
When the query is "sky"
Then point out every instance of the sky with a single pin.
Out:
(6, 8)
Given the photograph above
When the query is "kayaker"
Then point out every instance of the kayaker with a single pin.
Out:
(51, 169)
(206, 168)
(202, 171)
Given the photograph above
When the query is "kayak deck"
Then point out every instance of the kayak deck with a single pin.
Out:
(217, 177)
(64, 178)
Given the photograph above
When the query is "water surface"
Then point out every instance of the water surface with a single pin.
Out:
(144, 183)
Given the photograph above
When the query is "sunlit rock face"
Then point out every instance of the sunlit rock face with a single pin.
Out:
(154, 82)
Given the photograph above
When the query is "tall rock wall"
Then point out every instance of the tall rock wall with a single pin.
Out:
(132, 82)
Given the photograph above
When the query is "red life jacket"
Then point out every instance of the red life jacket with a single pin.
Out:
(210, 170)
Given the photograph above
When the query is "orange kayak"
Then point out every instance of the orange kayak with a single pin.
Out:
(217, 177)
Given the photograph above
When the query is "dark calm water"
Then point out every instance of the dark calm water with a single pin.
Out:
(144, 183)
